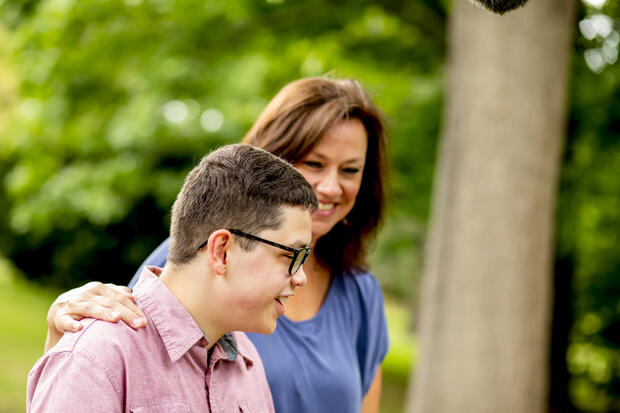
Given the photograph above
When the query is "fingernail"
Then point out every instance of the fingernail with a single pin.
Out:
(115, 314)
(136, 322)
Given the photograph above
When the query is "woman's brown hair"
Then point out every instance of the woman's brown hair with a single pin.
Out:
(295, 120)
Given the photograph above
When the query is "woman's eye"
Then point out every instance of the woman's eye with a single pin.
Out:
(351, 170)
(312, 164)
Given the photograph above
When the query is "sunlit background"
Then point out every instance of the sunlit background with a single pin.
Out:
(105, 105)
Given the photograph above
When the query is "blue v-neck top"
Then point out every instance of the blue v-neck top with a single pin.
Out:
(326, 363)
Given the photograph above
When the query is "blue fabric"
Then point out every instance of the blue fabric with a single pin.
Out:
(327, 363)
(157, 258)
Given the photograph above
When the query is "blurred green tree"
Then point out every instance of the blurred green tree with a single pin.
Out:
(119, 98)
(586, 330)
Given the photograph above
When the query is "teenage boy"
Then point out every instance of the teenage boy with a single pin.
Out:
(240, 231)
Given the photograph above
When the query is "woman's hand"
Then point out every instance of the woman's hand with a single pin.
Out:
(107, 302)
(372, 399)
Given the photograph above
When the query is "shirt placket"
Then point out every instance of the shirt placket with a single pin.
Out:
(214, 400)
(207, 371)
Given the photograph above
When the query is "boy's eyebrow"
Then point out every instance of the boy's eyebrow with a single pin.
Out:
(299, 244)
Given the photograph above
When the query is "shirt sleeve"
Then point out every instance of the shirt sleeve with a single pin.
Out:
(157, 258)
(70, 382)
(373, 341)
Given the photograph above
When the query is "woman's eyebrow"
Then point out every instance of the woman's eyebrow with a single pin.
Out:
(323, 157)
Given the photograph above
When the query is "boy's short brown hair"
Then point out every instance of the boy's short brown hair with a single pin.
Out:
(236, 186)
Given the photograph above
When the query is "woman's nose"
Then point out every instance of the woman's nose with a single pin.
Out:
(328, 185)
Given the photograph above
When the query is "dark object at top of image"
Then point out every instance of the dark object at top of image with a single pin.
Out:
(501, 6)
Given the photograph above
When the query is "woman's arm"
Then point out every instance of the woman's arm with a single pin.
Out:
(370, 403)
(107, 302)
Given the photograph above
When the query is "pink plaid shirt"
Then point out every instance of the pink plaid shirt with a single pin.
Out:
(109, 367)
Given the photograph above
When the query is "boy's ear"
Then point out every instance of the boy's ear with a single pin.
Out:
(217, 250)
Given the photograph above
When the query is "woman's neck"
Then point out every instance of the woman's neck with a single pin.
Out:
(308, 300)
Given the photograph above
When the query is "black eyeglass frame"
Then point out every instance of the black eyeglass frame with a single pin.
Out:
(296, 251)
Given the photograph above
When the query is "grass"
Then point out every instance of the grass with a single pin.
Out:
(23, 306)
(397, 363)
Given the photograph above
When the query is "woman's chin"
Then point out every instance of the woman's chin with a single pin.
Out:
(320, 229)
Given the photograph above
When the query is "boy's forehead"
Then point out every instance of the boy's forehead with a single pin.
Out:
(296, 227)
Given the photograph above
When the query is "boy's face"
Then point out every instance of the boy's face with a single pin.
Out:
(259, 280)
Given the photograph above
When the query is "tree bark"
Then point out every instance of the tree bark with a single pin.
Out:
(485, 317)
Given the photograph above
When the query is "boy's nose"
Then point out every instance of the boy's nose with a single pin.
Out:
(299, 279)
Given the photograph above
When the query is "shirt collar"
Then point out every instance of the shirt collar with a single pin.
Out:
(176, 327)
(227, 347)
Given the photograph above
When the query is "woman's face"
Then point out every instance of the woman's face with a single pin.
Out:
(334, 168)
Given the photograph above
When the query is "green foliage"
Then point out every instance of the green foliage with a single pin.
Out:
(118, 99)
(589, 233)
(397, 258)
(589, 217)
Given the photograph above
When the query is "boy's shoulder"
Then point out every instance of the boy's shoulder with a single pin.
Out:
(100, 340)
(94, 331)
(93, 356)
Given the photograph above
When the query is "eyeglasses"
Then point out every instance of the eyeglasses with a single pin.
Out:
(300, 255)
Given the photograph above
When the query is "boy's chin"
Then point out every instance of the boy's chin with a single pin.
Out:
(266, 329)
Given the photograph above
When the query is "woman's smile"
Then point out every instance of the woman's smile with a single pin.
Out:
(334, 167)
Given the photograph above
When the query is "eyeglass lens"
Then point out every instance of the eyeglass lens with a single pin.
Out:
(300, 258)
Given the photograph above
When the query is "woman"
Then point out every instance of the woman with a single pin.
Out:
(326, 353)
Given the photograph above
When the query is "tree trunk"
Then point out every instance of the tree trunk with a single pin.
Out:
(485, 317)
